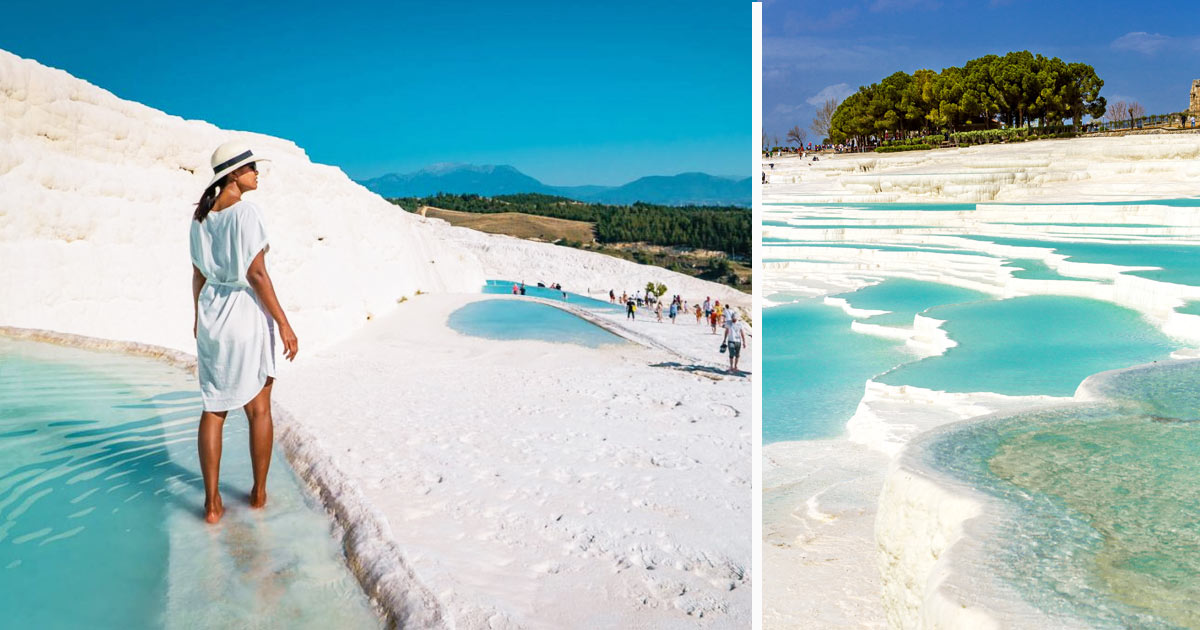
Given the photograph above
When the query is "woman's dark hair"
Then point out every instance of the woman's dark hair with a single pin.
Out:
(208, 199)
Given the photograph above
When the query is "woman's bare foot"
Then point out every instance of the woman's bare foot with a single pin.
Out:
(213, 511)
(258, 497)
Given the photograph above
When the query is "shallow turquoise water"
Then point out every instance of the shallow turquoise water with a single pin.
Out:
(1036, 269)
(1182, 202)
(1033, 345)
(504, 287)
(906, 298)
(518, 319)
(815, 369)
(1103, 499)
(769, 242)
(844, 226)
(1180, 263)
(1191, 308)
(101, 499)
(1071, 225)
(882, 207)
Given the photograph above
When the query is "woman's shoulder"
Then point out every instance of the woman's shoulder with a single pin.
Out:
(245, 205)
(247, 210)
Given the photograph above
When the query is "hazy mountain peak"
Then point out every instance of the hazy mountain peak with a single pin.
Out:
(491, 179)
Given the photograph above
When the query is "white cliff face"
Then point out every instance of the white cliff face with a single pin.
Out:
(96, 194)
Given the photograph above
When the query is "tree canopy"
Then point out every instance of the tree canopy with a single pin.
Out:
(1017, 89)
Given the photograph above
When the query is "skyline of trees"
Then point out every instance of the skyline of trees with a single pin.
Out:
(1017, 88)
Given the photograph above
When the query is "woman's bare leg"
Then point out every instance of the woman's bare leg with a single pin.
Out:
(262, 435)
(209, 441)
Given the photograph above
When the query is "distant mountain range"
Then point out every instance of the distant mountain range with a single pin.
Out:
(491, 180)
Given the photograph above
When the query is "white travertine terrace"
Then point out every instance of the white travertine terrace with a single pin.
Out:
(924, 529)
(96, 194)
(1083, 169)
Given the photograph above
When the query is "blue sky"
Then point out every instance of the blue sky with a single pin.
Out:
(570, 93)
(1144, 51)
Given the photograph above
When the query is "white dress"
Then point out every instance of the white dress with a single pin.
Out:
(235, 336)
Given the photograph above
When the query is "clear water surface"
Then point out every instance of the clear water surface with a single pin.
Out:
(1033, 345)
(517, 319)
(1179, 263)
(101, 500)
(905, 298)
(504, 287)
(815, 369)
(1103, 498)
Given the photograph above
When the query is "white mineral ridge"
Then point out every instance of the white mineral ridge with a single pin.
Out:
(96, 194)
(482, 484)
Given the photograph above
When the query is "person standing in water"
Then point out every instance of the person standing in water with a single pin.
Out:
(236, 312)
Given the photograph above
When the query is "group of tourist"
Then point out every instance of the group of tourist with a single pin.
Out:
(710, 312)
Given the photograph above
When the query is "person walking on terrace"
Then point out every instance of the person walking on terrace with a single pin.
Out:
(735, 337)
(236, 312)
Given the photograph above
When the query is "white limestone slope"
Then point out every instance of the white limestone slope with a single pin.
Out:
(96, 194)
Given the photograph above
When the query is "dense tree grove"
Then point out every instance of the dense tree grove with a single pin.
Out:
(720, 228)
(1018, 88)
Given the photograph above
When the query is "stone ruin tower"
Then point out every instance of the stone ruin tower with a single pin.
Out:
(1194, 103)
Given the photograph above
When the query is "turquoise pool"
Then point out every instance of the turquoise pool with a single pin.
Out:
(1036, 269)
(101, 499)
(1180, 264)
(505, 287)
(1103, 499)
(815, 369)
(518, 319)
(906, 298)
(1033, 345)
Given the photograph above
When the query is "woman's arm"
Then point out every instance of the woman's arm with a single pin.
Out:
(260, 281)
(198, 281)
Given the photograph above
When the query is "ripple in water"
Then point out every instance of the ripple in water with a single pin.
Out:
(100, 502)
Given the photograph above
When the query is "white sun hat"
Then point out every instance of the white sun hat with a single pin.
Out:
(229, 156)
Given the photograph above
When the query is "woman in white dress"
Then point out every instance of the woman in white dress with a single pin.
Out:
(236, 314)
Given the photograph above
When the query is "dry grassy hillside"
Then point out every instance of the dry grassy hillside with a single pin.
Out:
(517, 224)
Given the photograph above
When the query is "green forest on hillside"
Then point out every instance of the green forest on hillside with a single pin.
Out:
(720, 228)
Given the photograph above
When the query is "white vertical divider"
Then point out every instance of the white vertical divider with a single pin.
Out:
(757, 270)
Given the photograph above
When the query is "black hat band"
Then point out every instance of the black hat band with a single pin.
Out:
(230, 162)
